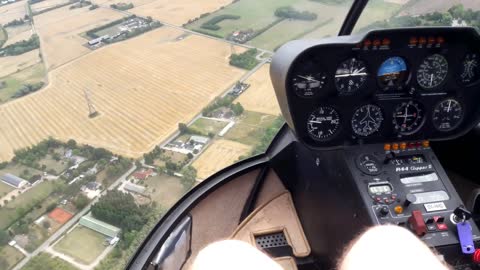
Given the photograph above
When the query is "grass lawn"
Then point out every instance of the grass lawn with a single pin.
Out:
(4, 189)
(52, 164)
(250, 127)
(18, 169)
(11, 255)
(36, 236)
(166, 190)
(174, 157)
(32, 74)
(25, 200)
(47, 261)
(206, 126)
(82, 244)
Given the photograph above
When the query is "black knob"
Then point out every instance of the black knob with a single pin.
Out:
(410, 198)
(384, 211)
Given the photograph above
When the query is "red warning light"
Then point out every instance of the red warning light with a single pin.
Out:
(440, 40)
(413, 41)
(422, 40)
(367, 43)
(386, 42)
(431, 40)
(376, 42)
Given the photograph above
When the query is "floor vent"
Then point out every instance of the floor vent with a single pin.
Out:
(271, 240)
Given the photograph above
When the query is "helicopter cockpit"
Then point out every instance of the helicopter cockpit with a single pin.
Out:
(376, 124)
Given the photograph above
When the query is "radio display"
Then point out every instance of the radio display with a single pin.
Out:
(380, 189)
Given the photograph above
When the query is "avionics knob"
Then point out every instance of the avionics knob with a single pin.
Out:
(409, 199)
(383, 211)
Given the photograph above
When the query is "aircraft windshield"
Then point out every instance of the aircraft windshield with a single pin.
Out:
(111, 110)
(405, 13)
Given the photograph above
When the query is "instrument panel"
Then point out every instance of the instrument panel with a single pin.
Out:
(386, 85)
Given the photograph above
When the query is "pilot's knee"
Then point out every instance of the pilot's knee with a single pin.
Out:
(233, 254)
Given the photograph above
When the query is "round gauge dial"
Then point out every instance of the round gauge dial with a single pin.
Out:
(323, 123)
(470, 71)
(432, 71)
(367, 120)
(408, 117)
(307, 85)
(447, 115)
(393, 73)
(350, 76)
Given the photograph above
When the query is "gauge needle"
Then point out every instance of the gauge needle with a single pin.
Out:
(308, 78)
(431, 79)
(351, 74)
(449, 106)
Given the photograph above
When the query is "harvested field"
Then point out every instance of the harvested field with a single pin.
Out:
(60, 30)
(219, 155)
(37, 7)
(12, 64)
(18, 33)
(260, 96)
(178, 12)
(12, 12)
(59, 215)
(142, 88)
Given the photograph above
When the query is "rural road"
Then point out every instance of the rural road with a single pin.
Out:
(72, 221)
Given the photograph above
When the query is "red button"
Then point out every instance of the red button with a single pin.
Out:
(442, 226)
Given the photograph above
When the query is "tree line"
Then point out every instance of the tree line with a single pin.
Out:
(21, 47)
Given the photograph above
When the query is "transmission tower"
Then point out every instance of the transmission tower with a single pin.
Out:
(92, 112)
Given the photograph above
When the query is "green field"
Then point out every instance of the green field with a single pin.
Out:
(172, 156)
(33, 74)
(206, 126)
(250, 127)
(18, 169)
(4, 189)
(11, 255)
(46, 261)
(82, 244)
(258, 15)
(25, 200)
(165, 190)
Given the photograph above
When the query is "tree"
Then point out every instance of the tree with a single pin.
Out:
(51, 207)
(81, 201)
(46, 224)
(4, 237)
(237, 108)
(189, 155)
(138, 164)
(182, 128)
(71, 143)
(189, 176)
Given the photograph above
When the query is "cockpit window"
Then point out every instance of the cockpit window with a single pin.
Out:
(405, 13)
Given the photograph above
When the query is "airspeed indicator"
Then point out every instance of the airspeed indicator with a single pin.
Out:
(323, 123)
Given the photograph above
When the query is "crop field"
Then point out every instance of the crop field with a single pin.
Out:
(178, 12)
(12, 12)
(47, 4)
(32, 74)
(12, 64)
(250, 127)
(260, 96)
(166, 190)
(219, 155)
(18, 33)
(142, 88)
(82, 244)
(60, 30)
(11, 255)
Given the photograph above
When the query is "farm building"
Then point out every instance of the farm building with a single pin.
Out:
(142, 175)
(134, 188)
(199, 139)
(93, 186)
(99, 226)
(13, 180)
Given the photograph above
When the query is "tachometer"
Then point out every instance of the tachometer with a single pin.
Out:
(307, 85)
(350, 76)
(323, 123)
(393, 73)
(470, 71)
(432, 72)
(408, 117)
(447, 115)
(367, 120)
